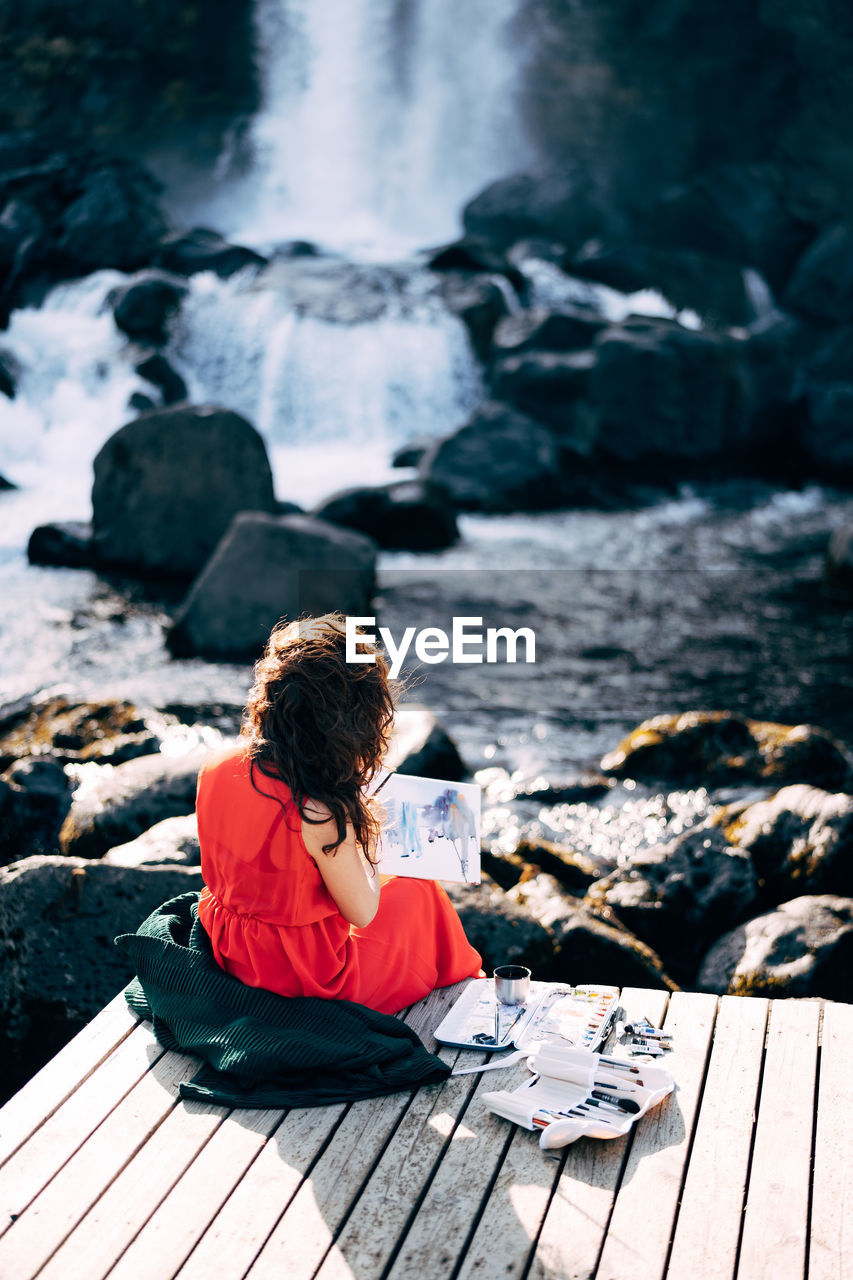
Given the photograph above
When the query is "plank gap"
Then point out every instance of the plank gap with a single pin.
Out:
(755, 1111)
(810, 1203)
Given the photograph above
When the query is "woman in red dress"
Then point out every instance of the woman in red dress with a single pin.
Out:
(293, 901)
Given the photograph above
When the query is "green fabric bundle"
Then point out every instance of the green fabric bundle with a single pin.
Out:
(261, 1049)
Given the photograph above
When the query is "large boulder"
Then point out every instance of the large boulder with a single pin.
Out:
(669, 394)
(802, 948)
(838, 568)
(113, 805)
(502, 931)
(422, 746)
(409, 515)
(799, 841)
(157, 370)
(172, 842)
(143, 306)
(74, 731)
(498, 461)
(168, 484)
(552, 206)
(704, 748)
(548, 386)
(823, 388)
(186, 252)
(114, 221)
(58, 963)
(266, 568)
(681, 895)
(587, 948)
(35, 796)
(62, 542)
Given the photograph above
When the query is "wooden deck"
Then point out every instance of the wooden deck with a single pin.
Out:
(746, 1170)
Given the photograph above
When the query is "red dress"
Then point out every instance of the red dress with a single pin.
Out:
(273, 923)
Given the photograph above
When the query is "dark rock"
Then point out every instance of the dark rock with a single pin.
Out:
(144, 305)
(587, 948)
(117, 805)
(734, 211)
(501, 930)
(411, 515)
(288, 509)
(801, 948)
(422, 747)
(712, 287)
(265, 568)
(472, 254)
(75, 732)
(574, 871)
(570, 329)
(58, 918)
(548, 385)
(498, 461)
(667, 393)
(187, 252)
(409, 455)
(35, 796)
(771, 349)
(800, 841)
(479, 303)
(551, 206)
(6, 484)
(141, 403)
(67, 542)
(10, 372)
(827, 433)
(115, 221)
(822, 283)
(172, 842)
(167, 485)
(289, 249)
(838, 570)
(157, 370)
(712, 748)
(679, 896)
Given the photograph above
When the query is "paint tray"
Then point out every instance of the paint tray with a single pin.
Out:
(563, 1098)
(554, 1013)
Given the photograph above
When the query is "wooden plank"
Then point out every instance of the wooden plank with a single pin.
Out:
(40, 1096)
(709, 1220)
(775, 1220)
(324, 1201)
(34, 1237)
(641, 1225)
(576, 1220)
(167, 1239)
(249, 1215)
(381, 1213)
(37, 1161)
(831, 1238)
(103, 1234)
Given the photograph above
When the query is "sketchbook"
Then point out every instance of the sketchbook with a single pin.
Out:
(431, 829)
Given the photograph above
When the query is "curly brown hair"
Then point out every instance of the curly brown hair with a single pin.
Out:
(320, 724)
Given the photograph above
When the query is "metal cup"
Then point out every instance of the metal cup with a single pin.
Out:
(512, 983)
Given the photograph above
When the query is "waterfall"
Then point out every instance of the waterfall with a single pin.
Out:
(380, 119)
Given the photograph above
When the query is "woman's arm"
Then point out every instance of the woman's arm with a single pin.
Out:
(346, 873)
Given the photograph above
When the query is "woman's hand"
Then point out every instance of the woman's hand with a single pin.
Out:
(346, 873)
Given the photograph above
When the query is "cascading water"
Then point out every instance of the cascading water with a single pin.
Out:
(380, 119)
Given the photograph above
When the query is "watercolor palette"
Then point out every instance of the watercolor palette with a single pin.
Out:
(554, 1013)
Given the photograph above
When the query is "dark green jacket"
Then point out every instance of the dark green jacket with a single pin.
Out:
(261, 1049)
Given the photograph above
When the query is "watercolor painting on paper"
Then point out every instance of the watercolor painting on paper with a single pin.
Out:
(431, 829)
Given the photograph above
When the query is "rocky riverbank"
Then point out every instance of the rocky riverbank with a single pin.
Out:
(746, 889)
